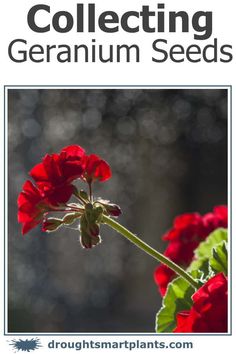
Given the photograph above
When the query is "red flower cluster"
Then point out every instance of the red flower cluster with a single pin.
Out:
(53, 183)
(187, 232)
(209, 311)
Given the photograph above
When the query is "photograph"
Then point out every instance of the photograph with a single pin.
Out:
(117, 210)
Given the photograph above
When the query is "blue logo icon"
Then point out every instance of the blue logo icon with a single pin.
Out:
(26, 345)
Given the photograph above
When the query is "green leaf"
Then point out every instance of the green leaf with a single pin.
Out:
(201, 264)
(203, 252)
(205, 247)
(177, 298)
(219, 258)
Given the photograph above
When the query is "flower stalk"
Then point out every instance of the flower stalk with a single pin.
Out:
(149, 250)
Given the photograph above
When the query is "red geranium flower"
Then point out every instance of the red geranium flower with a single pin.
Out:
(55, 173)
(53, 177)
(31, 207)
(96, 169)
(209, 311)
(187, 232)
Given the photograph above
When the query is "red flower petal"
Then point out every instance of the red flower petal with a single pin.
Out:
(162, 276)
(186, 220)
(72, 170)
(96, 169)
(39, 173)
(182, 322)
(102, 171)
(31, 207)
(29, 193)
(181, 252)
(56, 172)
(53, 168)
(72, 160)
(48, 170)
(59, 195)
(27, 226)
(74, 151)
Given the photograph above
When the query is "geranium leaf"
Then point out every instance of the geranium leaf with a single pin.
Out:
(203, 252)
(205, 247)
(177, 298)
(219, 258)
(201, 264)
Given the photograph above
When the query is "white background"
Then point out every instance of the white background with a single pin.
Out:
(13, 25)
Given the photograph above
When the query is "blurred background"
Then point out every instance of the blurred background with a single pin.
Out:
(168, 153)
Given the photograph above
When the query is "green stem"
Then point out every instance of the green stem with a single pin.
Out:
(90, 191)
(149, 250)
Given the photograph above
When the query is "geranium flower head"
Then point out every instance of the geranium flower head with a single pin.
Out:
(54, 177)
(209, 311)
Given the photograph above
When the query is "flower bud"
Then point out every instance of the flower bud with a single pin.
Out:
(94, 230)
(70, 218)
(89, 233)
(87, 241)
(113, 209)
(51, 224)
